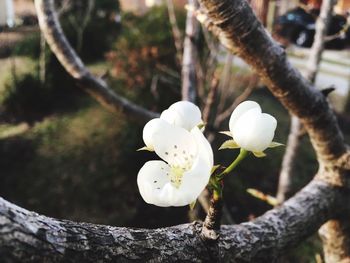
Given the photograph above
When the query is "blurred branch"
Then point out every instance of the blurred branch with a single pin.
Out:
(243, 96)
(65, 6)
(190, 54)
(97, 88)
(81, 25)
(175, 29)
(288, 164)
(210, 101)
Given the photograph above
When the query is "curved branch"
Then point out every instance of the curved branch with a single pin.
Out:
(30, 237)
(97, 88)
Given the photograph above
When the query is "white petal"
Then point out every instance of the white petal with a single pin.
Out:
(150, 128)
(194, 181)
(170, 116)
(240, 110)
(204, 148)
(155, 187)
(151, 179)
(183, 114)
(254, 131)
(174, 145)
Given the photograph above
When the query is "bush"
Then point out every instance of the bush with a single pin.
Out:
(25, 99)
(145, 50)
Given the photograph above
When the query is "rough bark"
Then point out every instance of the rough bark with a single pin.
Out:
(97, 88)
(28, 237)
(288, 164)
(335, 236)
(190, 54)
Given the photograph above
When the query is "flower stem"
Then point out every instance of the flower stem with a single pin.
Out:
(211, 225)
(242, 155)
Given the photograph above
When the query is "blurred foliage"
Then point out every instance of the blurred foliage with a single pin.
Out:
(145, 51)
(99, 35)
(101, 31)
(78, 167)
(25, 98)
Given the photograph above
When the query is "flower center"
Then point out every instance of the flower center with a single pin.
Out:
(177, 172)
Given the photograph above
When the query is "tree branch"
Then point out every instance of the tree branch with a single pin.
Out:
(97, 88)
(241, 32)
(190, 54)
(175, 29)
(29, 237)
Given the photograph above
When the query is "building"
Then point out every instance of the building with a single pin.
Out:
(7, 15)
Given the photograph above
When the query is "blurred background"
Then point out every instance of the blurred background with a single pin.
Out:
(63, 155)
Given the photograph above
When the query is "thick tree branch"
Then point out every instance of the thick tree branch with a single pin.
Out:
(97, 88)
(28, 237)
(239, 30)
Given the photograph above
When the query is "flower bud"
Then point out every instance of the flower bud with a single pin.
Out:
(251, 129)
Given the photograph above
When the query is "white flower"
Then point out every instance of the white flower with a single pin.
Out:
(187, 155)
(251, 129)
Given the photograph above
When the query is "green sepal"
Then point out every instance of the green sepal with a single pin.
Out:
(259, 154)
(214, 168)
(145, 149)
(229, 144)
(275, 144)
(228, 133)
(201, 126)
(193, 204)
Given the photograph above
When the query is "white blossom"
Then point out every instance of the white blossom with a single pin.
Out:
(187, 157)
(251, 129)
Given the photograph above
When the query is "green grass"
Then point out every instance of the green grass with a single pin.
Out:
(17, 65)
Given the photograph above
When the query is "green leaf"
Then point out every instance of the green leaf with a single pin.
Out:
(193, 204)
(259, 154)
(275, 144)
(229, 144)
(214, 168)
(228, 133)
(145, 149)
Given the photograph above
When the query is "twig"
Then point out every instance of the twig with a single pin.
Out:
(175, 29)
